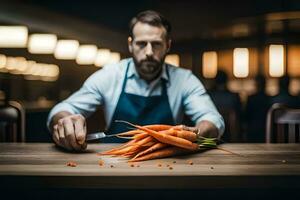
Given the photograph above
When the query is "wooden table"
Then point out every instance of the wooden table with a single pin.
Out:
(261, 166)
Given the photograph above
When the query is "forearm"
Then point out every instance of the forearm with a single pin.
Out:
(207, 129)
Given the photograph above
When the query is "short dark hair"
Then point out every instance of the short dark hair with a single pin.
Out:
(153, 18)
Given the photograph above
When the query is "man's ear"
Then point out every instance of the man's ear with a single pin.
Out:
(129, 44)
(169, 42)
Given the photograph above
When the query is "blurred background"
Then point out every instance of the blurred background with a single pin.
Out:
(246, 53)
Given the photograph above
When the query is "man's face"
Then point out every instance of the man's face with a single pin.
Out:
(149, 47)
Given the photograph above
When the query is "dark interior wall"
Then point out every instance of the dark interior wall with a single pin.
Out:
(70, 79)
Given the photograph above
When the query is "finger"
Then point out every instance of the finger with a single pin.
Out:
(70, 134)
(84, 146)
(80, 128)
(55, 136)
(193, 129)
(62, 140)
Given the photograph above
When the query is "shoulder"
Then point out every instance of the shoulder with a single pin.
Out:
(111, 70)
(179, 74)
(108, 74)
(184, 79)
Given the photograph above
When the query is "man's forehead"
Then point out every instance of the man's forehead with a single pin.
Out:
(147, 31)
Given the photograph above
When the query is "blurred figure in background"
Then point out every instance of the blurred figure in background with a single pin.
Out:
(229, 105)
(284, 95)
(256, 111)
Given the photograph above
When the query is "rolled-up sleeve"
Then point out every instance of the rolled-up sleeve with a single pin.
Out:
(198, 104)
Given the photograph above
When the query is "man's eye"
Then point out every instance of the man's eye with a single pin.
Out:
(156, 45)
(141, 44)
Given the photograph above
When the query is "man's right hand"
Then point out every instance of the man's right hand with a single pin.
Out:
(69, 132)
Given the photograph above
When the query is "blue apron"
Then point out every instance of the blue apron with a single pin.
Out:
(140, 110)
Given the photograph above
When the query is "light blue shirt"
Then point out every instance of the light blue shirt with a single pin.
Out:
(185, 92)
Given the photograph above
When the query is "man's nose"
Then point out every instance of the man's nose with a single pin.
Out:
(149, 50)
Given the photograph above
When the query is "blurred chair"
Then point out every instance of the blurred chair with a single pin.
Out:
(283, 124)
(12, 122)
(284, 96)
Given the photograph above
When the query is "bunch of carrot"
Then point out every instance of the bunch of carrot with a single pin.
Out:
(159, 141)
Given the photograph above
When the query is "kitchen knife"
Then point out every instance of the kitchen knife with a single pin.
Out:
(97, 136)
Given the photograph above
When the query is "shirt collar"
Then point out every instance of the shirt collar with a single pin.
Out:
(133, 73)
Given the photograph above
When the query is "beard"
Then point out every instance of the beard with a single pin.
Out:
(148, 69)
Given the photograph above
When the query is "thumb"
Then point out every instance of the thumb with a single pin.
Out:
(84, 146)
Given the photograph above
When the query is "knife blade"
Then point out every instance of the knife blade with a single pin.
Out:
(97, 136)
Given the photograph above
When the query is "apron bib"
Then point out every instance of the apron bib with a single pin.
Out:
(139, 110)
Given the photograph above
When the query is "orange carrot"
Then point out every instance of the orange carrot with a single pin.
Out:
(188, 135)
(125, 150)
(129, 146)
(130, 133)
(152, 148)
(168, 139)
(110, 152)
(158, 127)
(162, 153)
(144, 141)
(140, 136)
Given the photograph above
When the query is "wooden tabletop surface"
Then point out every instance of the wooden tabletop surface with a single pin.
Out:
(260, 165)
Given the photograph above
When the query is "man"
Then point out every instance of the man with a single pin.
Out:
(142, 90)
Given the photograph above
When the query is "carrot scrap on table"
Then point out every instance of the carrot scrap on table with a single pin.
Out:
(190, 162)
(71, 164)
(101, 162)
(160, 141)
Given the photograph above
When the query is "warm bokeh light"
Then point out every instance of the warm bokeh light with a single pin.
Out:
(240, 62)
(18, 65)
(102, 57)
(293, 55)
(272, 87)
(30, 69)
(13, 63)
(209, 64)
(115, 57)
(2, 61)
(276, 60)
(173, 59)
(13, 36)
(66, 49)
(30, 66)
(294, 87)
(86, 54)
(42, 43)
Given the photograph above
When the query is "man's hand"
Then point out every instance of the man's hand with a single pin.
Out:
(205, 129)
(69, 132)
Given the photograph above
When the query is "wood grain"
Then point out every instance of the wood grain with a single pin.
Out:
(43, 165)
